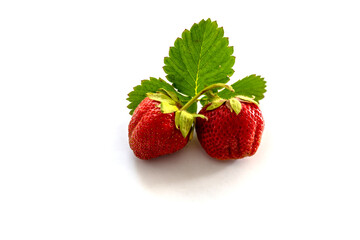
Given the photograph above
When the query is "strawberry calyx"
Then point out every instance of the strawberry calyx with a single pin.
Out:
(169, 103)
(185, 120)
(243, 98)
(216, 102)
(234, 103)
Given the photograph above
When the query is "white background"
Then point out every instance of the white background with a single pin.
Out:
(66, 169)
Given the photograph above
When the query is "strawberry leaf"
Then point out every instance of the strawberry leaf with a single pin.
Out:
(252, 86)
(147, 86)
(199, 58)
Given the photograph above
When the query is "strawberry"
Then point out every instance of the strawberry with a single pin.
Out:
(233, 129)
(153, 133)
(161, 125)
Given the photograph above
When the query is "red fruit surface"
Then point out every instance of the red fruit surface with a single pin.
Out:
(226, 136)
(153, 133)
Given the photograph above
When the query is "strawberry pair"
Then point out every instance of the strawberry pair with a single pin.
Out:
(226, 129)
(230, 124)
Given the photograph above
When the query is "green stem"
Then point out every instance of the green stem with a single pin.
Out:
(195, 98)
(210, 94)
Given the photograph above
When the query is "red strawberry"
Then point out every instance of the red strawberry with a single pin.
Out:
(153, 133)
(227, 135)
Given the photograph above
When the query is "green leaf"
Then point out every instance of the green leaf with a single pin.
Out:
(252, 86)
(147, 86)
(192, 108)
(200, 58)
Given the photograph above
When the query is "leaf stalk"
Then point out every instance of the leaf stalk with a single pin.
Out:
(195, 98)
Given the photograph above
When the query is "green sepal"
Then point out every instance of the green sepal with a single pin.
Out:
(169, 103)
(235, 105)
(191, 135)
(161, 97)
(177, 119)
(186, 122)
(172, 95)
(215, 103)
(200, 116)
(166, 107)
(247, 99)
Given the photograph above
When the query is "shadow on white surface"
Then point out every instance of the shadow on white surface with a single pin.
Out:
(190, 171)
